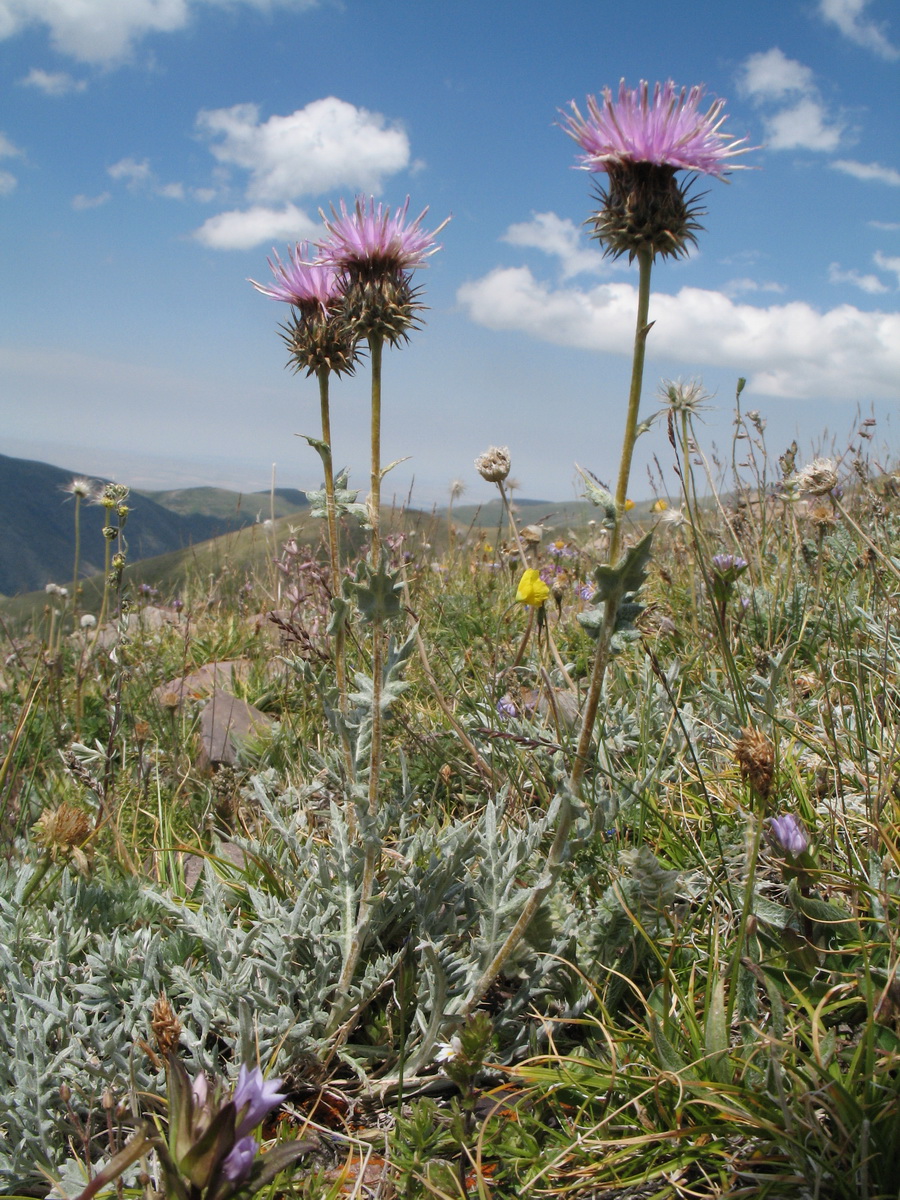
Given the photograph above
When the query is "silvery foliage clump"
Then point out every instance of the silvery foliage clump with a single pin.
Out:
(77, 980)
(250, 964)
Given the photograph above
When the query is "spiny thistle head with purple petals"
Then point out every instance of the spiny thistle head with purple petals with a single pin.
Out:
(641, 144)
(318, 337)
(370, 241)
(375, 252)
(304, 281)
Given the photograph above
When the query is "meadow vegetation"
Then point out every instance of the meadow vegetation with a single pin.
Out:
(706, 1002)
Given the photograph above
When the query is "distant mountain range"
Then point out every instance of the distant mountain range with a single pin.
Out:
(38, 540)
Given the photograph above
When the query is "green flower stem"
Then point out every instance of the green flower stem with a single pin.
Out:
(107, 563)
(690, 499)
(37, 878)
(75, 569)
(334, 553)
(601, 658)
(372, 849)
(376, 345)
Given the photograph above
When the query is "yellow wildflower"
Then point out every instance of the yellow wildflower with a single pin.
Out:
(629, 505)
(532, 589)
(659, 506)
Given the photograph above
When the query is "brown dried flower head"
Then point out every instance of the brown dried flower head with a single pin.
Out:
(165, 1025)
(755, 755)
(63, 831)
(817, 479)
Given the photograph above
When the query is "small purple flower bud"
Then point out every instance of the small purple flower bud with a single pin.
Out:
(787, 835)
(254, 1097)
(729, 566)
(239, 1159)
(506, 708)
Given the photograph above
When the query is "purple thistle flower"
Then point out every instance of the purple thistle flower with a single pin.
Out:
(370, 238)
(254, 1097)
(787, 835)
(305, 282)
(237, 1163)
(667, 131)
(641, 145)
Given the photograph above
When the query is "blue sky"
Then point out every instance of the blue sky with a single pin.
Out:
(153, 152)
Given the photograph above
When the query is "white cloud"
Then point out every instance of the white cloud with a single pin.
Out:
(7, 148)
(890, 226)
(105, 31)
(329, 144)
(868, 171)
(888, 264)
(133, 172)
(139, 176)
(738, 287)
(797, 118)
(81, 203)
(866, 283)
(53, 83)
(803, 126)
(789, 350)
(771, 75)
(848, 16)
(561, 237)
(8, 181)
(253, 227)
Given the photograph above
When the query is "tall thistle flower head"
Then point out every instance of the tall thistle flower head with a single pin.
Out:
(318, 336)
(641, 143)
(376, 251)
(305, 282)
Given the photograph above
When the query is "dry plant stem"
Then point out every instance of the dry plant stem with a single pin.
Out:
(882, 557)
(601, 661)
(523, 554)
(445, 708)
(512, 523)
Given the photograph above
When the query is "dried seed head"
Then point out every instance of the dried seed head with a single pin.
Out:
(63, 830)
(165, 1025)
(755, 755)
(817, 479)
(493, 466)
